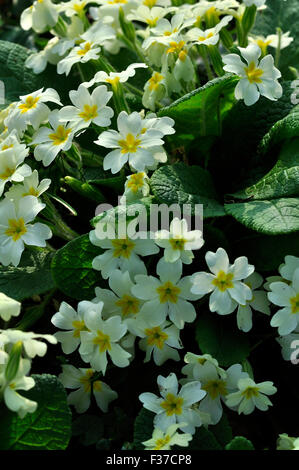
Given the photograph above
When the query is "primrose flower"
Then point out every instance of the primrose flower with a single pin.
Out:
(256, 77)
(287, 269)
(136, 187)
(131, 144)
(88, 108)
(147, 15)
(119, 300)
(251, 395)
(74, 7)
(88, 49)
(9, 388)
(8, 307)
(30, 186)
(12, 168)
(224, 283)
(179, 242)
(102, 339)
(175, 406)
(32, 109)
(272, 40)
(39, 60)
(286, 296)
(161, 341)
(121, 253)
(41, 16)
(210, 36)
(258, 302)
(163, 440)
(31, 341)
(85, 383)
(285, 442)
(217, 382)
(16, 230)
(114, 78)
(154, 90)
(50, 141)
(288, 344)
(67, 318)
(168, 295)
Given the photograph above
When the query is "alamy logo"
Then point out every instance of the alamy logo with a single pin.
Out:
(135, 221)
(295, 354)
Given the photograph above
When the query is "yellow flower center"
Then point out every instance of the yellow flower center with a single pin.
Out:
(149, 3)
(6, 147)
(168, 293)
(253, 73)
(79, 326)
(162, 442)
(60, 135)
(263, 45)
(156, 337)
(122, 247)
(85, 49)
(86, 380)
(79, 7)
(250, 392)
(103, 341)
(111, 2)
(175, 47)
(215, 388)
(7, 173)
(31, 192)
(128, 304)
(129, 144)
(172, 404)
(223, 281)
(177, 243)
(135, 182)
(208, 36)
(97, 385)
(294, 301)
(89, 112)
(16, 228)
(30, 103)
(113, 81)
(152, 21)
(155, 80)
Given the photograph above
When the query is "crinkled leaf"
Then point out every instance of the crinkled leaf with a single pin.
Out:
(216, 336)
(282, 180)
(182, 184)
(284, 129)
(32, 276)
(204, 439)
(199, 108)
(273, 217)
(72, 268)
(48, 428)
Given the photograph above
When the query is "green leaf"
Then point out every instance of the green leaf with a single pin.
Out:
(239, 443)
(267, 252)
(204, 439)
(215, 336)
(24, 280)
(202, 107)
(48, 428)
(282, 180)
(143, 428)
(119, 212)
(181, 184)
(274, 217)
(72, 268)
(19, 80)
(222, 431)
(285, 15)
(286, 128)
